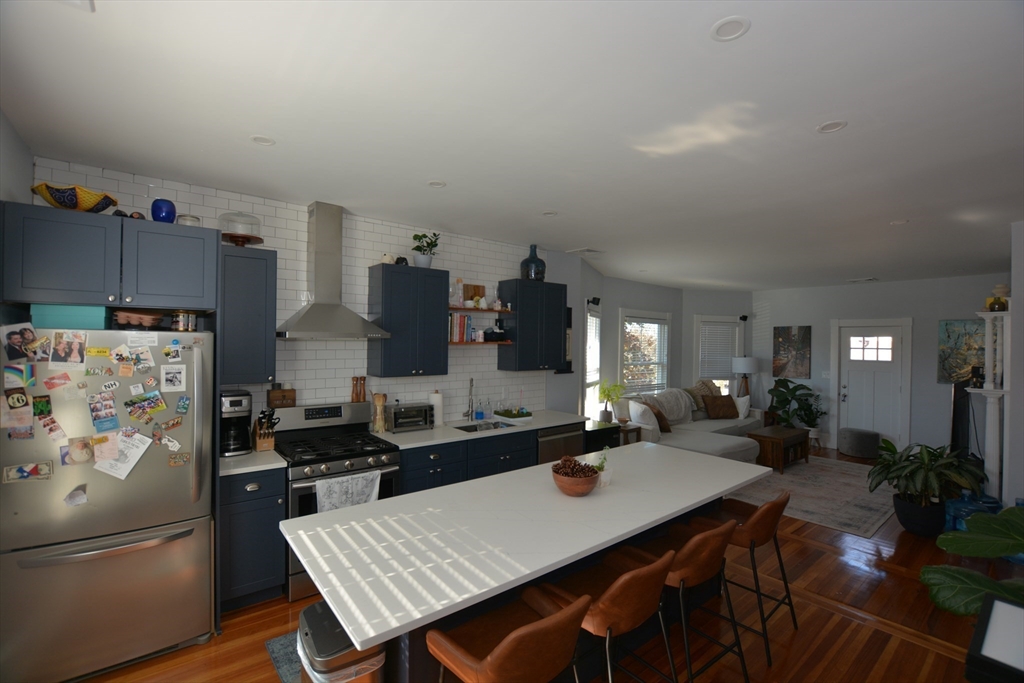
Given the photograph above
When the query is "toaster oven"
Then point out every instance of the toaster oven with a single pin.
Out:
(408, 417)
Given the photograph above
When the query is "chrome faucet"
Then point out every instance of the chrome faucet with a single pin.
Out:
(469, 413)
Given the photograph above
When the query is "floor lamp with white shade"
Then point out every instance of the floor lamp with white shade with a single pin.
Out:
(744, 365)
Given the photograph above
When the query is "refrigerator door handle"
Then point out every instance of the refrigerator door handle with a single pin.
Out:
(51, 560)
(197, 432)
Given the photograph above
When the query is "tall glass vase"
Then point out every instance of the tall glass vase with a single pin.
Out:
(532, 267)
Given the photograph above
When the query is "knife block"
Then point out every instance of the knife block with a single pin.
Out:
(260, 444)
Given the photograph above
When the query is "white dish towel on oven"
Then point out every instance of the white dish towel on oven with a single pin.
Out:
(352, 489)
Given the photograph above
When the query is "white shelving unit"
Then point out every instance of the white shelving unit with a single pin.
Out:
(997, 376)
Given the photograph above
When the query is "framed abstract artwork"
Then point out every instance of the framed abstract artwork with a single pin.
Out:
(791, 352)
(961, 346)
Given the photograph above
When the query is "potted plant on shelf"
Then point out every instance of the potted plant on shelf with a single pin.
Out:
(924, 479)
(425, 246)
(810, 415)
(791, 401)
(609, 393)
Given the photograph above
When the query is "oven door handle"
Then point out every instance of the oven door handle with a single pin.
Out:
(310, 484)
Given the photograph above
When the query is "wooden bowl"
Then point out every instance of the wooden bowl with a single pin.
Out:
(575, 486)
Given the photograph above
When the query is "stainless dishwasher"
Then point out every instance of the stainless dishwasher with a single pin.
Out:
(555, 442)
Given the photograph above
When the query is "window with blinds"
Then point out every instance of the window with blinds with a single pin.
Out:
(717, 346)
(645, 353)
(591, 403)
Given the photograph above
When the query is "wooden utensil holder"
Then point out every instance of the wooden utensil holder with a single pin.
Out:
(260, 444)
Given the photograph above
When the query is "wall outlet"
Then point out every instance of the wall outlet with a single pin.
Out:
(825, 374)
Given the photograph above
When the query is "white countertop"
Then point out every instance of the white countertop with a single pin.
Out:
(542, 419)
(251, 462)
(393, 565)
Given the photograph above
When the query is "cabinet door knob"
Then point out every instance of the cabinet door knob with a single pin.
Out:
(252, 487)
(280, 501)
(128, 299)
(438, 469)
(434, 456)
(112, 298)
(270, 379)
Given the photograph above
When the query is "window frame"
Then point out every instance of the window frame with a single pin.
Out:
(660, 317)
(739, 343)
(591, 312)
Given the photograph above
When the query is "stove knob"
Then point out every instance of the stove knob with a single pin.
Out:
(385, 459)
(308, 471)
(371, 461)
(348, 465)
(325, 468)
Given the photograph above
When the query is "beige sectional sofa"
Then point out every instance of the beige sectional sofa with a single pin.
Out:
(691, 429)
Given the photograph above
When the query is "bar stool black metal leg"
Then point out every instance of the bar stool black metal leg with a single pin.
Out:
(785, 581)
(686, 637)
(735, 629)
(608, 653)
(760, 606)
(664, 634)
(440, 679)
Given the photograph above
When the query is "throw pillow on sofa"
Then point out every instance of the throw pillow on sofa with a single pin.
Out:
(644, 416)
(702, 388)
(742, 406)
(721, 408)
(663, 424)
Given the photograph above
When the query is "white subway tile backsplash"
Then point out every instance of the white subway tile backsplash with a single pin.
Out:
(218, 202)
(128, 187)
(199, 189)
(146, 180)
(224, 194)
(185, 195)
(97, 182)
(87, 170)
(236, 205)
(53, 164)
(251, 199)
(164, 193)
(68, 177)
(177, 187)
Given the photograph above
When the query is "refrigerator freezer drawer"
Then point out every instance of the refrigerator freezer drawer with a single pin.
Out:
(75, 608)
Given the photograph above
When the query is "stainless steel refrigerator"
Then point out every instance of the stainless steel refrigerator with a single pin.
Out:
(105, 554)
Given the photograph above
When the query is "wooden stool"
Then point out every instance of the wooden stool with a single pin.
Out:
(628, 596)
(527, 641)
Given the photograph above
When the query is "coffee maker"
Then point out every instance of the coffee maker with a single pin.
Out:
(235, 423)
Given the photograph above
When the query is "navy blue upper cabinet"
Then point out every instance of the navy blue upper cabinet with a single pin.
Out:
(536, 325)
(247, 315)
(57, 256)
(412, 305)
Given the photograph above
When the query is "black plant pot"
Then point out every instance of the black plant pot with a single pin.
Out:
(928, 521)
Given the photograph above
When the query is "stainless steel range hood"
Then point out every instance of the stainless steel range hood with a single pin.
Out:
(324, 317)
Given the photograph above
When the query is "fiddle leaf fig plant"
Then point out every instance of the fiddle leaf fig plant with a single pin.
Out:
(791, 401)
(960, 590)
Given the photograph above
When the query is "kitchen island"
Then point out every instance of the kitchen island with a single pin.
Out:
(395, 565)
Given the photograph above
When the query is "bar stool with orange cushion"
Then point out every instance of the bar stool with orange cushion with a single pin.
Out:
(753, 532)
(628, 596)
(527, 641)
(700, 559)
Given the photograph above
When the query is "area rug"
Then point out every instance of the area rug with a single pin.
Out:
(285, 656)
(832, 493)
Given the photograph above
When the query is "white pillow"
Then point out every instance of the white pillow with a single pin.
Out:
(742, 406)
(644, 417)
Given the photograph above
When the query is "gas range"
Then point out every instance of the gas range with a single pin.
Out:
(331, 439)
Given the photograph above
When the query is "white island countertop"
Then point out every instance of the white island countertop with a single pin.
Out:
(447, 433)
(390, 566)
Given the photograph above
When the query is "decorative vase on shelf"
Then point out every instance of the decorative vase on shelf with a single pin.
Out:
(997, 304)
(163, 210)
(532, 267)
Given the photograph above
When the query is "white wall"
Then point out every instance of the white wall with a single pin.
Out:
(925, 301)
(321, 371)
(15, 164)
(563, 389)
(1013, 475)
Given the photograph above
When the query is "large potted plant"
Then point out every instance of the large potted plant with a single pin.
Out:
(924, 479)
(791, 401)
(425, 246)
(609, 393)
(810, 415)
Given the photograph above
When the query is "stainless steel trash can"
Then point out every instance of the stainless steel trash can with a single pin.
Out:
(327, 653)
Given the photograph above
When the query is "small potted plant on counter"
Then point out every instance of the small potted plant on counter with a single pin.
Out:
(425, 246)
(609, 393)
(924, 479)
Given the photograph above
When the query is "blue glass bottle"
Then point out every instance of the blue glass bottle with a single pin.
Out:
(532, 267)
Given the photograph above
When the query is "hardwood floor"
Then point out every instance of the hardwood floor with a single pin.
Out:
(863, 617)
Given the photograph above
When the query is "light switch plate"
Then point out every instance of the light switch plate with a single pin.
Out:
(825, 374)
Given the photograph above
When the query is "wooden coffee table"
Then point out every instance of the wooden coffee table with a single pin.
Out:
(780, 445)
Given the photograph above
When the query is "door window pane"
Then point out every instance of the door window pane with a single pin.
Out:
(871, 348)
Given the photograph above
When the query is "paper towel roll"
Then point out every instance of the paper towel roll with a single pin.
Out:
(437, 401)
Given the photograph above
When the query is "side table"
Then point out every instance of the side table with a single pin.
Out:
(780, 445)
(627, 430)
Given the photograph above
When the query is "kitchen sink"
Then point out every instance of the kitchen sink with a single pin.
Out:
(484, 426)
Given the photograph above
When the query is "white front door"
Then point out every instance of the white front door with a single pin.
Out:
(870, 369)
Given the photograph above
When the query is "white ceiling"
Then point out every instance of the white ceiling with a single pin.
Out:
(690, 162)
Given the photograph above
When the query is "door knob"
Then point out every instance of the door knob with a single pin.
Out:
(842, 398)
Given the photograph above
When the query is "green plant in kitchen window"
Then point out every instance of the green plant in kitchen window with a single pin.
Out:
(426, 244)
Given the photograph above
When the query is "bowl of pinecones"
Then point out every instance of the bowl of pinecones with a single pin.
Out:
(574, 478)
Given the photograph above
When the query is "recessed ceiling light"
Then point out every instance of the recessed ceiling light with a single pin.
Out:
(437, 184)
(729, 28)
(263, 140)
(550, 214)
(831, 126)
(902, 221)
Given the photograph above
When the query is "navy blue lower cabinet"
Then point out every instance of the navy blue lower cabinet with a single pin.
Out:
(432, 466)
(504, 453)
(252, 548)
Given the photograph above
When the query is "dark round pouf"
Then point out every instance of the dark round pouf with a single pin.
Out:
(860, 443)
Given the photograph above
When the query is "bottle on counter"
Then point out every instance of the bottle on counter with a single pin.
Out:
(478, 414)
(488, 410)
